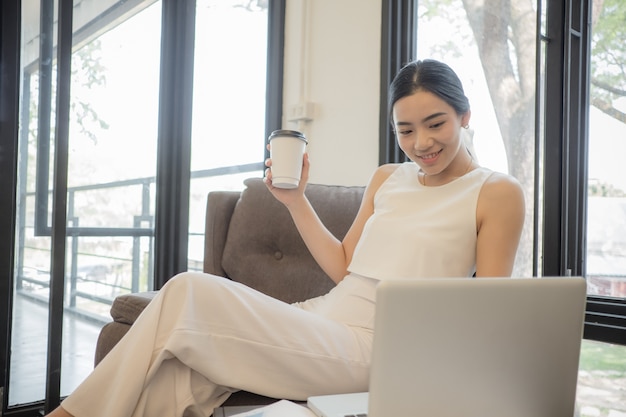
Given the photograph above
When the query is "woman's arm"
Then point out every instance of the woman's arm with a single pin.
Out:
(332, 255)
(499, 219)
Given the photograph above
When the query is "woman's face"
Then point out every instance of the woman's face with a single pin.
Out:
(428, 131)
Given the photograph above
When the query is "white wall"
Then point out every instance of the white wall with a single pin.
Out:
(332, 59)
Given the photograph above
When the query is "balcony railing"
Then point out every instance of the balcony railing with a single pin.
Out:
(96, 275)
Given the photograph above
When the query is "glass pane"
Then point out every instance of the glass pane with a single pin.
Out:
(33, 251)
(112, 166)
(229, 104)
(497, 67)
(111, 170)
(606, 211)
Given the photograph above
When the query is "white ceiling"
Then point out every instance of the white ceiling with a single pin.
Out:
(90, 19)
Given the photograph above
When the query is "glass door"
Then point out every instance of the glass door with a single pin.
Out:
(111, 165)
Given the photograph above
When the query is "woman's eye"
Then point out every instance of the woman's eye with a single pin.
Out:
(436, 125)
(404, 132)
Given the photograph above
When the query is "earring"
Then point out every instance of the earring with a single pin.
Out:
(466, 126)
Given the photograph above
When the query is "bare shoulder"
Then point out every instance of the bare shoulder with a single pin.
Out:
(381, 174)
(502, 186)
(501, 196)
(386, 169)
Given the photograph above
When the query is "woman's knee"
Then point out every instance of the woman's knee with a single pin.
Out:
(192, 283)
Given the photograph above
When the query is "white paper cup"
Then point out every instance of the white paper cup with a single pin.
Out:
(286, 151)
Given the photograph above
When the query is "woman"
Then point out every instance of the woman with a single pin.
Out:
(439, 215)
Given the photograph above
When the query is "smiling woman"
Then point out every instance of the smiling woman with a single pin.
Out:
(474, 220)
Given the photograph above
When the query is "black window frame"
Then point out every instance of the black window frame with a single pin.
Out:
(10, 29)
(568, 54)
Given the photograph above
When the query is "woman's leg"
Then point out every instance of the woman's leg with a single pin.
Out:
(203, 335)
(59, 412)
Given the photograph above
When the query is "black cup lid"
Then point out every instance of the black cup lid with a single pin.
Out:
(283, 132)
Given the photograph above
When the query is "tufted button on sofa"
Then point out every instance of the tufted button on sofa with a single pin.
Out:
(250, 238)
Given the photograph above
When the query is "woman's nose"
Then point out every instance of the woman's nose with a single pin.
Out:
(422, 141)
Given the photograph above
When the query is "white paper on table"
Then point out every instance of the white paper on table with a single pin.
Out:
(282, 408)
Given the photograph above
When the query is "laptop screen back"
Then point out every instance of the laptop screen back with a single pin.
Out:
(477, 347)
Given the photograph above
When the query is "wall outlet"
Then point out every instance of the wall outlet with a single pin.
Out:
(303, 111)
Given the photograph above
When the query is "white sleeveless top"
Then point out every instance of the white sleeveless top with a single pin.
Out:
(418, 231)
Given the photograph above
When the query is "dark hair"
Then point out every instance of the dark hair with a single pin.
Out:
(432, 76)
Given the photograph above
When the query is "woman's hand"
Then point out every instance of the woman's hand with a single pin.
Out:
(288, 196)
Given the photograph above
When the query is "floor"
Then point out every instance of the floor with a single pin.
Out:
(29, 346)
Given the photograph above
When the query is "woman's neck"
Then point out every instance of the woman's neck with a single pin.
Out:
(434, 180)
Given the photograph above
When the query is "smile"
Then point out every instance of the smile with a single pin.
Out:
(429, 156)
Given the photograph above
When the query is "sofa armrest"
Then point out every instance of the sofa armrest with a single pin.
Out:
(125, 310)
(127, 307)
(220, 206)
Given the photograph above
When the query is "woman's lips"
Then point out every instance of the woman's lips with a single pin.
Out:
(429, 158)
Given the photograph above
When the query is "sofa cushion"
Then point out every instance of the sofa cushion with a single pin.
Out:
(219, 210)
(264, 249)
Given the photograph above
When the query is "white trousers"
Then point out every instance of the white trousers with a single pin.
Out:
(204, 337)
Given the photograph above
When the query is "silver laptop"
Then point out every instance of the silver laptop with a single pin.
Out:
(472, 348)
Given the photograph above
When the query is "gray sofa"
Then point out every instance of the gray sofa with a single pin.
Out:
(250, 238)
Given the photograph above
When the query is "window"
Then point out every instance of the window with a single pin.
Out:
(602, 364)
(606, 213)
(110, 200)
(228, 133)
(127, 112)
